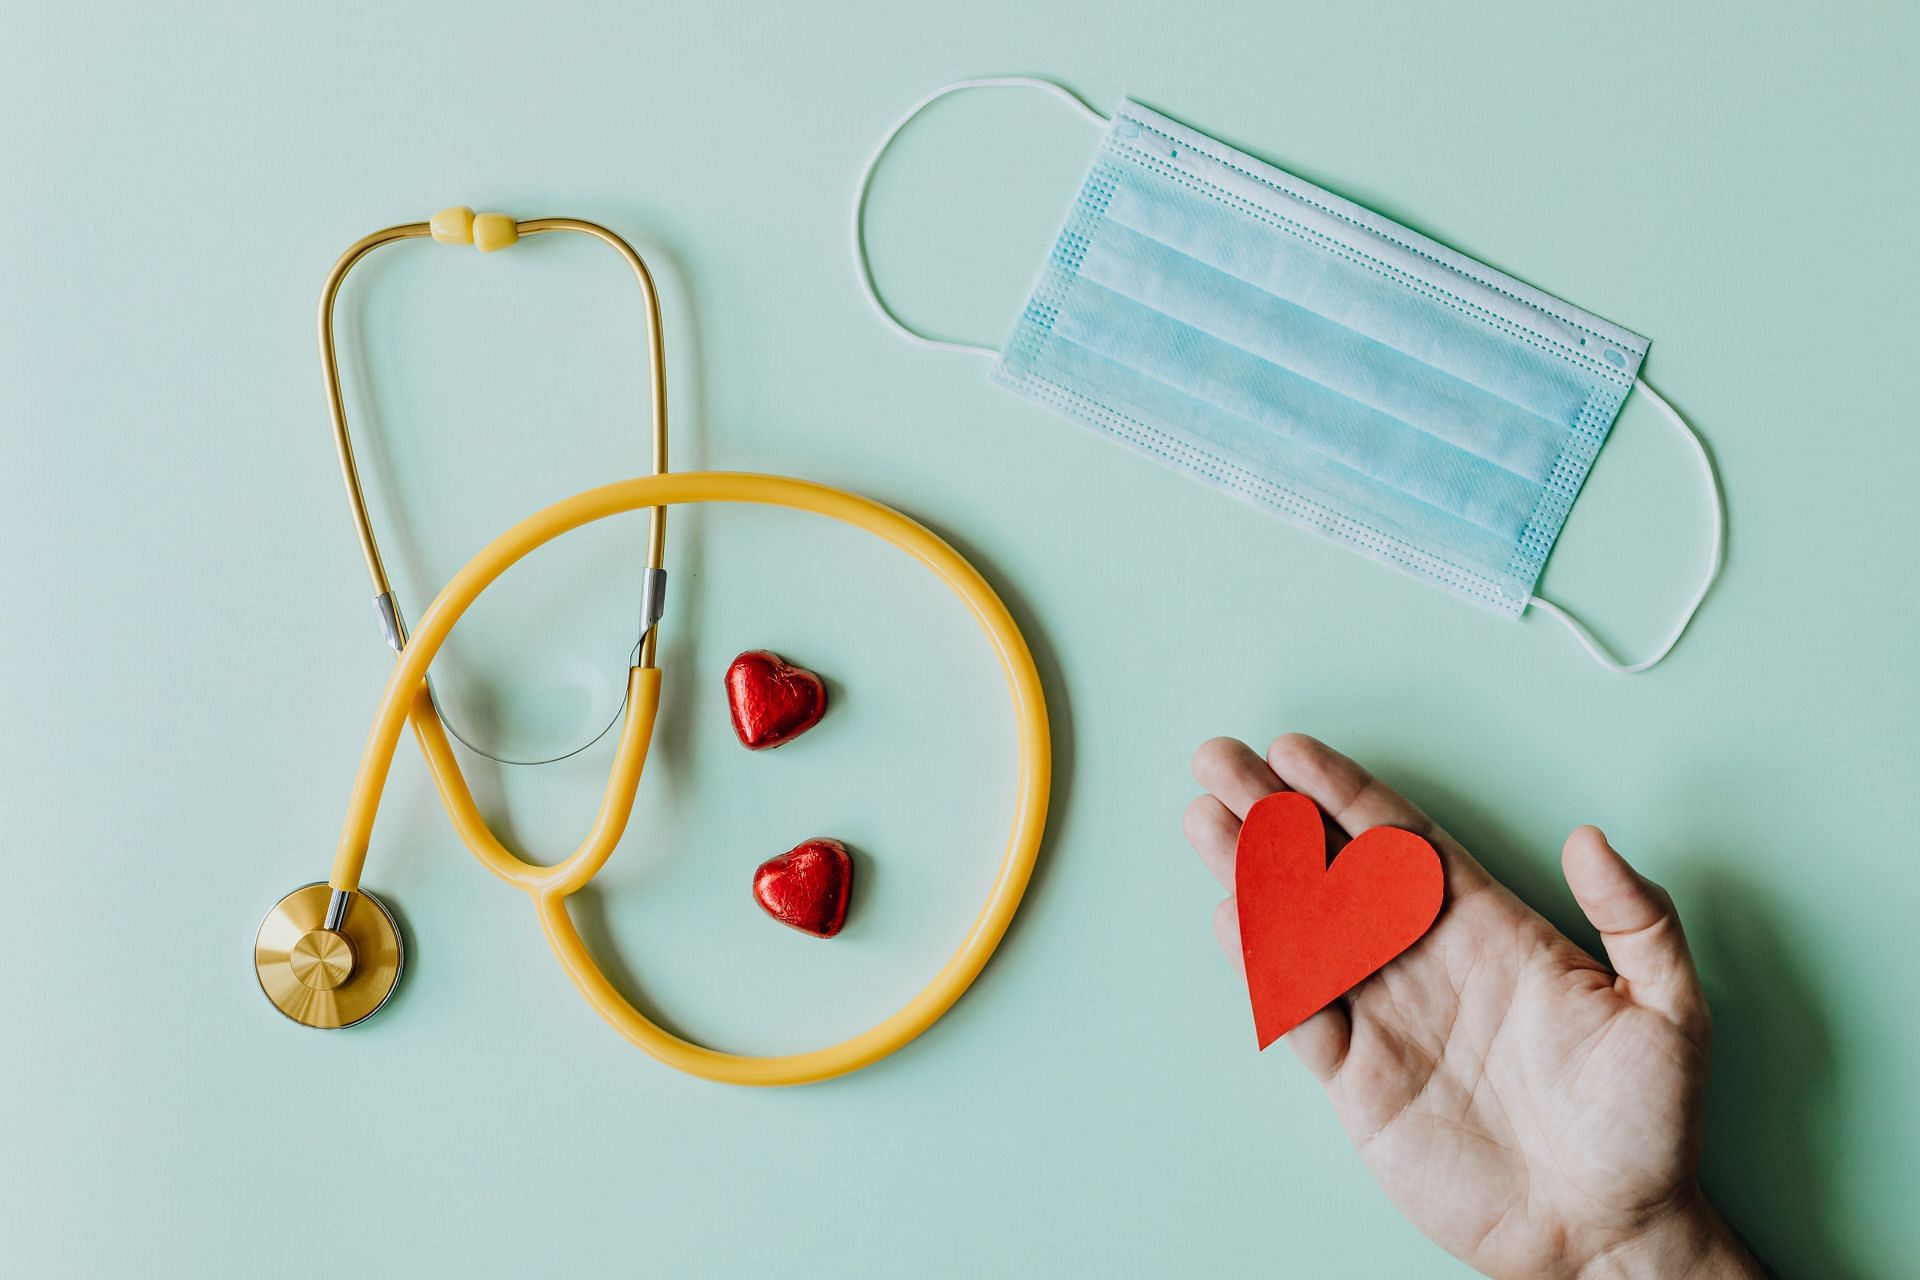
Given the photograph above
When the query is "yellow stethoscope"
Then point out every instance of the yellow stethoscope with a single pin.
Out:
(329, 954)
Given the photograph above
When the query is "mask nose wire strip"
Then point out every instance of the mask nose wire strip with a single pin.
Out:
(865, 266)
(1594, 648)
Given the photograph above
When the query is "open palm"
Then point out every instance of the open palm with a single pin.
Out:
(1528, 1109)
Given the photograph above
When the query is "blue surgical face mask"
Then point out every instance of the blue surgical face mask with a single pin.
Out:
(1318, 360)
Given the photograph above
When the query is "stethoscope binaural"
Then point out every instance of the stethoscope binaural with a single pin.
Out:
(329, 954)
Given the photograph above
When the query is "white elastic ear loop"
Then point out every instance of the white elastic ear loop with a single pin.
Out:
(865, 267)
(1586, 638)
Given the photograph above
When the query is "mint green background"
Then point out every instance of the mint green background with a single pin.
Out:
(189, 661)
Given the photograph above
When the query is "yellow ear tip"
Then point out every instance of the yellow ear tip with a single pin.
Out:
(453, 226)
(494, 231)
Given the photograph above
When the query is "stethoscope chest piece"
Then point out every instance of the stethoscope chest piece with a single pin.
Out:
(323, 976)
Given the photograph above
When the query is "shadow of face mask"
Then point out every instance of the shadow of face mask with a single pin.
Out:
(1317, 360)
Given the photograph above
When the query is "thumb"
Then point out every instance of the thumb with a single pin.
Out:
(1640, 929)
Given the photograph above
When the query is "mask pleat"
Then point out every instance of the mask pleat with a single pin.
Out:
(1344, 361)
(1313, 473)
(1349, 293)
(1218, 377)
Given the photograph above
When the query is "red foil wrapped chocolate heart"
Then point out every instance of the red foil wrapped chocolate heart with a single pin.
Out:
(772, 700)
(807, 887)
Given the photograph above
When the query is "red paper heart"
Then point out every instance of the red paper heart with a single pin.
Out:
(807, 887)
(1309, 931)
(772, 700)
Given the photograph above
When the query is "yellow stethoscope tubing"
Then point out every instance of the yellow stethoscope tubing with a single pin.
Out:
(616, 806)
(549, 887)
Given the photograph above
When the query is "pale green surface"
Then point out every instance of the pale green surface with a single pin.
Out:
(190, 661)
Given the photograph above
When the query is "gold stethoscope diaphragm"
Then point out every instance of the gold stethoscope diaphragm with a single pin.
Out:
(328, 977)
(329, 955)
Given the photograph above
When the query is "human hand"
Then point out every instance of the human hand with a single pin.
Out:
(1531, 1111)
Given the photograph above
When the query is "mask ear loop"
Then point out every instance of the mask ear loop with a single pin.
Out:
(1594, 648)
(865, 266)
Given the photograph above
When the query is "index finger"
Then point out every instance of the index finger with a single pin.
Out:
(1235, 775)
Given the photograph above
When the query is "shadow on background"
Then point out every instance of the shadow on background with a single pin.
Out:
(1770, 1162)
(588, 908)
(1053, 684)
(1534, 876)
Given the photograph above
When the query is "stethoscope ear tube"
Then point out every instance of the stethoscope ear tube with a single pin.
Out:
(489, 232)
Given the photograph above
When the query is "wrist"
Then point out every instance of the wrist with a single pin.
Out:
(1687, 1241)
